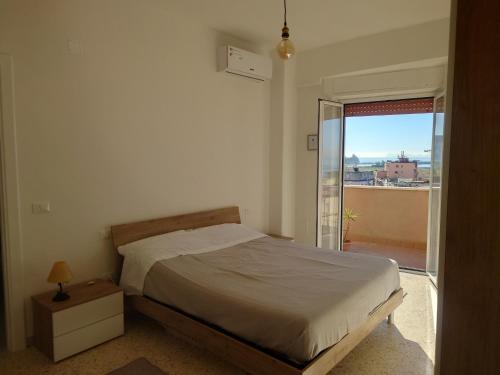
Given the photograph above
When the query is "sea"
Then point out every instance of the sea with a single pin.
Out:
(423, 162)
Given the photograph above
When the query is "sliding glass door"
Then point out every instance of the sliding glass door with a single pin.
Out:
(435, 188)
(330, 162)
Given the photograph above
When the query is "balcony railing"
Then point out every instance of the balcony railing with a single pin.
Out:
(392, 221)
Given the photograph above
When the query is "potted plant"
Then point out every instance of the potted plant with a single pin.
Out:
(349, 217)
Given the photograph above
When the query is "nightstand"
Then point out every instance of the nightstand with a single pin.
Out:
(93, 315)
(280, 237)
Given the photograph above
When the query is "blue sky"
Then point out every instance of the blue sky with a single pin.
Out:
(385, 136)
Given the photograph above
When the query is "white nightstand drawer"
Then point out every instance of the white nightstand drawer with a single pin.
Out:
(87, 337)
(79, 316)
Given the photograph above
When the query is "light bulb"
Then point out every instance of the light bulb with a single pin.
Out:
(285, 49)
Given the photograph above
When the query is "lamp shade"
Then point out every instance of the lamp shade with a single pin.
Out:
(60, 273)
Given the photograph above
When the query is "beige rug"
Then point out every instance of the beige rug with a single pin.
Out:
(140, 366)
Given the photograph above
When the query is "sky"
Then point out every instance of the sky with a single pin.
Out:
(384, 137)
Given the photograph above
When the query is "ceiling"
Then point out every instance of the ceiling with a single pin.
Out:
(313, 23)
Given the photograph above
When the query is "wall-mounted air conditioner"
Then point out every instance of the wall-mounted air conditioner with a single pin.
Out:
(237, 61)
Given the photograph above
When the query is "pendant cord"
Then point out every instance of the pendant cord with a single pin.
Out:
(284, 5)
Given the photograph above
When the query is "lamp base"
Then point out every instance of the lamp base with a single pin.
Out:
(60, 296)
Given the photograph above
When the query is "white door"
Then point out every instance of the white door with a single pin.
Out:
(330, 163)
(435, 188)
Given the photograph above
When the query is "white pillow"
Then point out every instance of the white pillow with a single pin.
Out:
(141, 255)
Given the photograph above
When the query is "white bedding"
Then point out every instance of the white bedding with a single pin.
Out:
(140, 256)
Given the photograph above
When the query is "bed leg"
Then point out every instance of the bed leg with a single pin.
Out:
(390, 318)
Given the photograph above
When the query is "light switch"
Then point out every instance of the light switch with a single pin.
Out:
(246, 213)
(40, 207)
(312, 142)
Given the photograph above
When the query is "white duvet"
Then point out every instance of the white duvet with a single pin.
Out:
(140, 256)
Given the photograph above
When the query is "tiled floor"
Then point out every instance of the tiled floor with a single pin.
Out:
(405, 256)
(407, 347)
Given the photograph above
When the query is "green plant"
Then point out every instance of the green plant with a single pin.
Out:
(349, 217)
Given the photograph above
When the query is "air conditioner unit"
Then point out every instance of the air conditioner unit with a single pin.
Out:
(237, 61)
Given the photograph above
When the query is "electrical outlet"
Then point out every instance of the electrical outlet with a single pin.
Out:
(246, 213)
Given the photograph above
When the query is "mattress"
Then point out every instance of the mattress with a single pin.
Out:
(291, 299)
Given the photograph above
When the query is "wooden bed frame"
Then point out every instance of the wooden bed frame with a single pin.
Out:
(230, 348)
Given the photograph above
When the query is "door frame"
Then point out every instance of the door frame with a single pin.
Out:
(434, 279)
(341, 172)
(361, 99)
(401, 95)
(11, 244)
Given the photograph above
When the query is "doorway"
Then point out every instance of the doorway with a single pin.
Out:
(377, 162)
(10, 236)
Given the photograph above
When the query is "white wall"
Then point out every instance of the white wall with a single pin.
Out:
(283, 147)
(402, 46)
(405, 49)
(289, 149)
(276, 151)
(134, 123)
(306, 173)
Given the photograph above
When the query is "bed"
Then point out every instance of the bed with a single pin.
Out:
(269, 306)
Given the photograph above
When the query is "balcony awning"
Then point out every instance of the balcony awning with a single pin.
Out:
(390, 107)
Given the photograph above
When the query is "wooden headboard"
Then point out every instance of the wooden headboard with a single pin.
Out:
(126, 233)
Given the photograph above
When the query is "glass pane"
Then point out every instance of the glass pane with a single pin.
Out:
(435, 189)
(329, 178)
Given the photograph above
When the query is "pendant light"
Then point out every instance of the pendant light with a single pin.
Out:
(285, 48)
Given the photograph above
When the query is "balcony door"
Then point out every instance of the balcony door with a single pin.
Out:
(435, 188)
(330, 172)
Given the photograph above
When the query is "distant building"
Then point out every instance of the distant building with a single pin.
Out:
(402, 168)
(356, 177)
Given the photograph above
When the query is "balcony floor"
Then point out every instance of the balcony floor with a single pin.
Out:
(405, 256)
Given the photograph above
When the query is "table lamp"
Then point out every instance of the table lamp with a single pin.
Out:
(60, 274)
